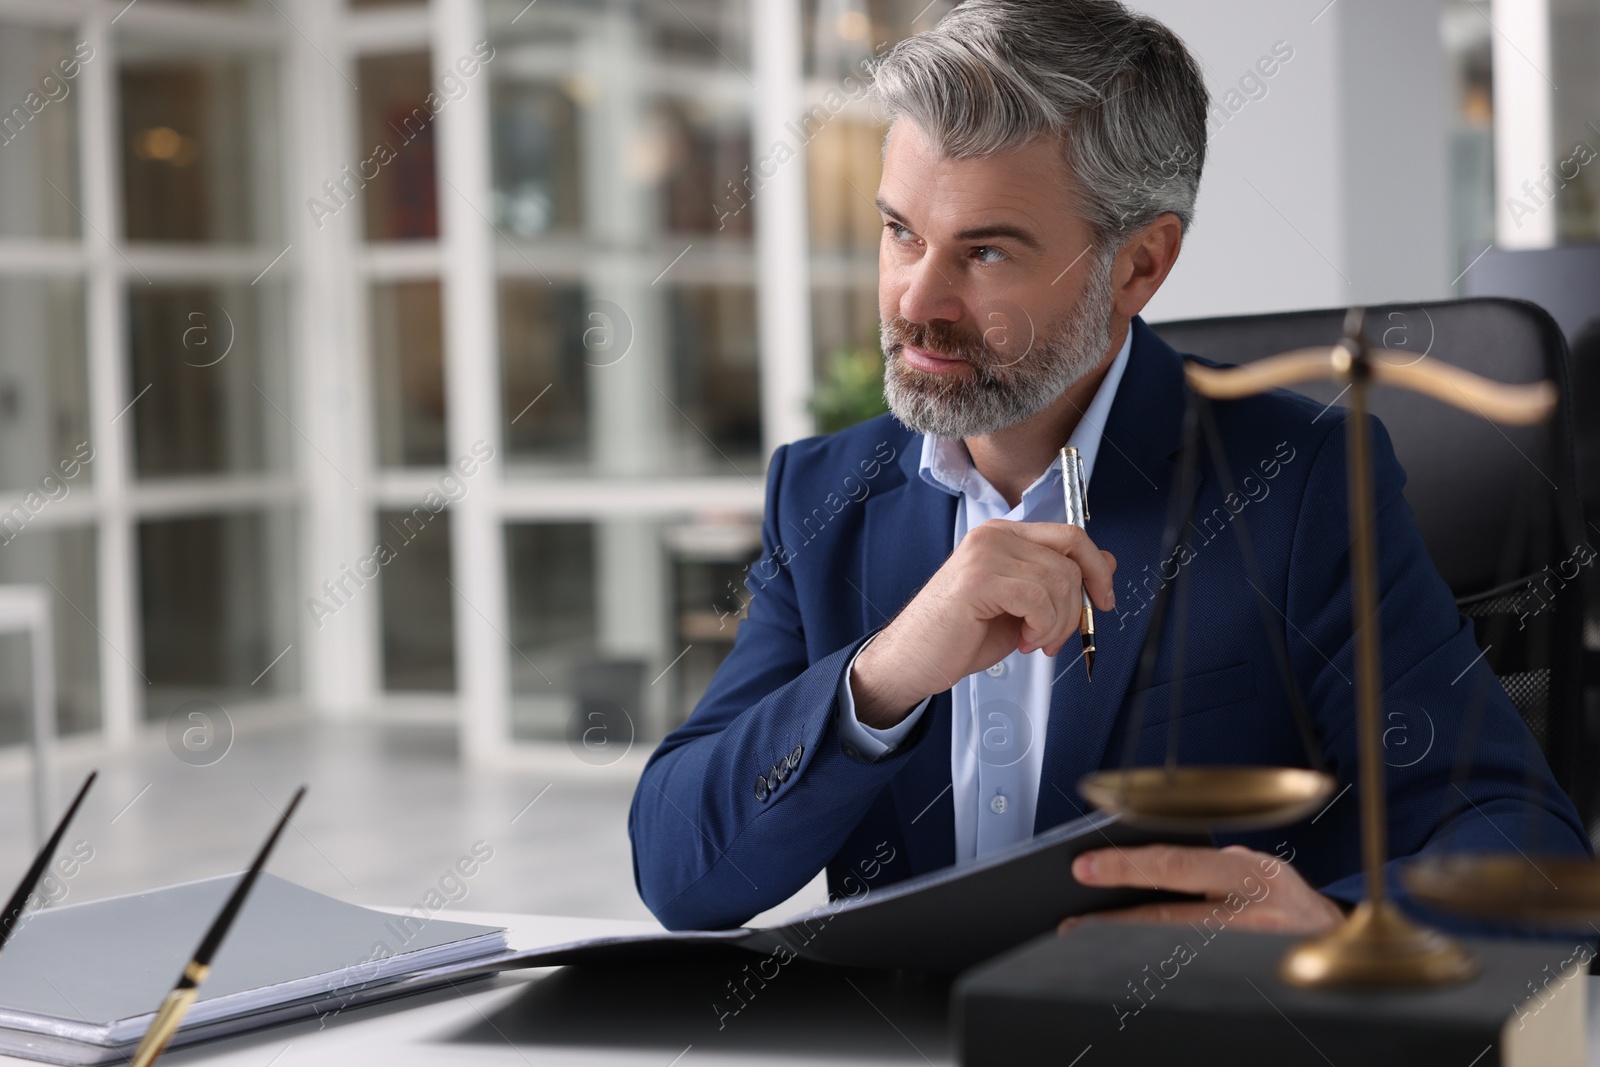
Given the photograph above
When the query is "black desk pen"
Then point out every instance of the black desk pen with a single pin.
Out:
(19, 899)
(1077, 494)
(173, 1009)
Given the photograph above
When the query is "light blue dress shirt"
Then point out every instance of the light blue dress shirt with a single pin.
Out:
(999, 716)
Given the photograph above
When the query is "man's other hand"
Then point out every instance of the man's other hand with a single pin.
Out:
(1241, 887)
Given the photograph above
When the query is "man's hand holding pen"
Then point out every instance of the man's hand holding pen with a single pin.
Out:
(1007, 586)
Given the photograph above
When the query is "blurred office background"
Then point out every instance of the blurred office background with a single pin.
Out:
(526, 293)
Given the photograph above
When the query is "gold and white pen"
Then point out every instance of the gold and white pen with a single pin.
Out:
(1077, 494)
(169, 1017)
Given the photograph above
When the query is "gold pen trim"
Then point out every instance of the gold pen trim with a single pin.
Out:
(166, 1023)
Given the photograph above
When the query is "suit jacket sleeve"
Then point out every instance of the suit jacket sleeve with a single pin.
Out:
(1435, 679)
(750, 798)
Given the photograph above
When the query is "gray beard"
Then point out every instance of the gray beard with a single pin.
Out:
(1005, 389)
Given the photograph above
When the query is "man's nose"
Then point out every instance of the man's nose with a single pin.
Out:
(928, 294)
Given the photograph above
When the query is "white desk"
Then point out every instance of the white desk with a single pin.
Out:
(633, 1017)
(597, 1016)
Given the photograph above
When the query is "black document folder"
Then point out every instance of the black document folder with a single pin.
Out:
(943, 921)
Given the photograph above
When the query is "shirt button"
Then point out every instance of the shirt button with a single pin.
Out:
(998, 670)
(997, 804)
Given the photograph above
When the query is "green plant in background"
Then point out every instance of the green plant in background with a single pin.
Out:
(851, 389)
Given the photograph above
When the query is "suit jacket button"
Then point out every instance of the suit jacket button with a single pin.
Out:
(794, 757)
(779, 772)
(762, 789)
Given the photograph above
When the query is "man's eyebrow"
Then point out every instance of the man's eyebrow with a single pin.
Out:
(976, 233)
(1016, 233)
(884, 208)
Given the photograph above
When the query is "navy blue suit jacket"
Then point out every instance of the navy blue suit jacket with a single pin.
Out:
(745, 802)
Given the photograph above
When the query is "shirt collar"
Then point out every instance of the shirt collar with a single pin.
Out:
(946, 464)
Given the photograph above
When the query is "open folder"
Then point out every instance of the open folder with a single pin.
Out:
(943, 921)
(80, 984)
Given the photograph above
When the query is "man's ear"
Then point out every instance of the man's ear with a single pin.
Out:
(1143, 263)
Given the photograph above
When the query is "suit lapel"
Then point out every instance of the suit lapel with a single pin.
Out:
(910, 527)
(1129, 494)
(908, 535)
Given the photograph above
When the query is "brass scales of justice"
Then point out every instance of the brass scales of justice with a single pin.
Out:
(1377, 945)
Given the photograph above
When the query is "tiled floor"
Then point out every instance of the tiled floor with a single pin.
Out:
(389, 809)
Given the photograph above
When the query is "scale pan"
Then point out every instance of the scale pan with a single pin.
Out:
(1544, 891)
(1209, 798)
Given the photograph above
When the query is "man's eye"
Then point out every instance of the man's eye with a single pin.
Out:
(897, 231)
(989, 254)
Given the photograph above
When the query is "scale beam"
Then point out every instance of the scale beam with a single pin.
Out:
(1513, 405)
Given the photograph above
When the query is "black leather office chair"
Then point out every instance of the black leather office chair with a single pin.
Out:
(1586, 398)
(1477, 489)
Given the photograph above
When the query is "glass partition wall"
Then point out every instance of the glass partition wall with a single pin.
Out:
(629, 370)
(147, 483)
(417, 358)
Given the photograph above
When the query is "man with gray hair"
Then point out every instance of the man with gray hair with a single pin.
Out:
(906, 692)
